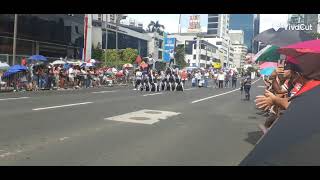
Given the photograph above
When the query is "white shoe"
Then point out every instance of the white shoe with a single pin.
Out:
(134, 89)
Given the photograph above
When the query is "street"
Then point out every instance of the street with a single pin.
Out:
(119, 126)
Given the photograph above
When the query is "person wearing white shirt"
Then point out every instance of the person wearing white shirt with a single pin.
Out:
(138, 79)
(206, 78)
(221, 77)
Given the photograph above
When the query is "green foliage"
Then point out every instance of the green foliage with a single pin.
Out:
(96, 53)
(180, 56)
(316, 35)
(111, 57)
(129, 55)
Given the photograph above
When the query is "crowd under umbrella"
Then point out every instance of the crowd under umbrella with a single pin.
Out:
(58, 62)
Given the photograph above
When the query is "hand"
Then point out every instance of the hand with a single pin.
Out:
(269, 94)
(264, 102)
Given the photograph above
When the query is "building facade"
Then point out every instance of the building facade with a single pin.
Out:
(306, 20)
(51, 35)
(218, 25)
(250, 25)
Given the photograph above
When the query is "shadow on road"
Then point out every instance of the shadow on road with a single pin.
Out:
(253, 137)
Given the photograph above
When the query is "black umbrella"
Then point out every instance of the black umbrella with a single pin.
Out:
(265, 36)
(287, 37)
(294, 138)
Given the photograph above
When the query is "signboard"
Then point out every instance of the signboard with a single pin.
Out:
(169, 45)
(216, 65)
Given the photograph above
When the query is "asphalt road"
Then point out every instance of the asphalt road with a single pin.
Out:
(200, 126)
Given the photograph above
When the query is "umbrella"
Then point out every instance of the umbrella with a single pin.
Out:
(306, 55)
(120, 73)
(294, 138)
(38, 58)
(269, 53)
(144, 65)
(287, 37)
(76, 63)
(300, 48)
(87, 65)
(127, 65)
(265, 36)
(138, 60)
(268, 64)
(57, 62)
(267, 71)
(113, 70)
(4, 66)
(17, 68)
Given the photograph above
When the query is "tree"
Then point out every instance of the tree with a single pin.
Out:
(155, 27)
(96, 53)
(316, 35)
(180, 56)
(112, 57)
(129, 55)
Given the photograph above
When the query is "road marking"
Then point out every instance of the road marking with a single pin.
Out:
(261, 87)
(152, 94)
(228, 92)
(64, 138)
(144, 116)
(66, 105)
(14, 98)
(98, 92)
(190, 89)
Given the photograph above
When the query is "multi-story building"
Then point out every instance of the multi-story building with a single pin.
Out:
(128, 36)
(218, 25)
(240, 50)
(51, 35)
(250, 25)
(306, 20)
(198, 51)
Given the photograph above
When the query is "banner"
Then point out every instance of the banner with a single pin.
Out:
(216, 65)
(169, 45)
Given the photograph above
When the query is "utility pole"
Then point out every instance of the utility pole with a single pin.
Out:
(106, 44)
(179, 28)
(197, 50)
(117, 20)
(15, 38)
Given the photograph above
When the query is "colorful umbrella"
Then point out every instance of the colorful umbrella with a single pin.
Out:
(127, 65)
(38, 58)
(144, 65)
(268, 64)
(58, 62)
(269, 53)
(138, 60)
(267, 71)
(300, 48)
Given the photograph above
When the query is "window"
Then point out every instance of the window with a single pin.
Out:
(159, 54)
(219, 43)
(99, 17)
(160, 43)
(194, 56)
(194, 64)
(215, 25)
(213, 14)
(76, 29)
(214, 31)
(213, 19)
(195, 46)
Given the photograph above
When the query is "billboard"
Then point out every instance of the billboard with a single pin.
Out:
(169, 45)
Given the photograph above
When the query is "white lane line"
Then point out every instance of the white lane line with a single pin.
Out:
(261, 86)
(66, 105)
(228, 92)
(14, 98)
(190, 89)
(152, 94)
(98, 92)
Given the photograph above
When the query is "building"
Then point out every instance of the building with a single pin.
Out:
(198, 51)
(310, 21)
(250, 25)
(236, 36)
(218, 25)
(156, 45)
(128, 36)
(51, 35)
(240, 52)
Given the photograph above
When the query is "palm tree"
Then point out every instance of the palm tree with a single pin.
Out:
(155, 27)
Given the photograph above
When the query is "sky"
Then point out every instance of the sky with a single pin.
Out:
(171, 21)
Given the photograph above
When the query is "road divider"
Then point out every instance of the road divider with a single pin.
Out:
(210, 97)
(7, 99)
(60, 106)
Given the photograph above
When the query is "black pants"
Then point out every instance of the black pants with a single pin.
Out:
(247, 91)
(220, 83)
(138, 82)
(234, 83)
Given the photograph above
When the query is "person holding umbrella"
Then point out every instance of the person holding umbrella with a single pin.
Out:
(294, 137)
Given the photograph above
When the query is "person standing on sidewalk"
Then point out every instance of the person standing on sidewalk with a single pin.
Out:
(206, 78)
(234, 80)
(221, 78)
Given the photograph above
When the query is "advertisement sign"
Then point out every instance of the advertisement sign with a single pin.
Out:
(216, 65)
(169, 45)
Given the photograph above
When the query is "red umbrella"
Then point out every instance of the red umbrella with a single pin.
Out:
(144, 65)
(300, 48)
(138, 60)
(307, 55)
